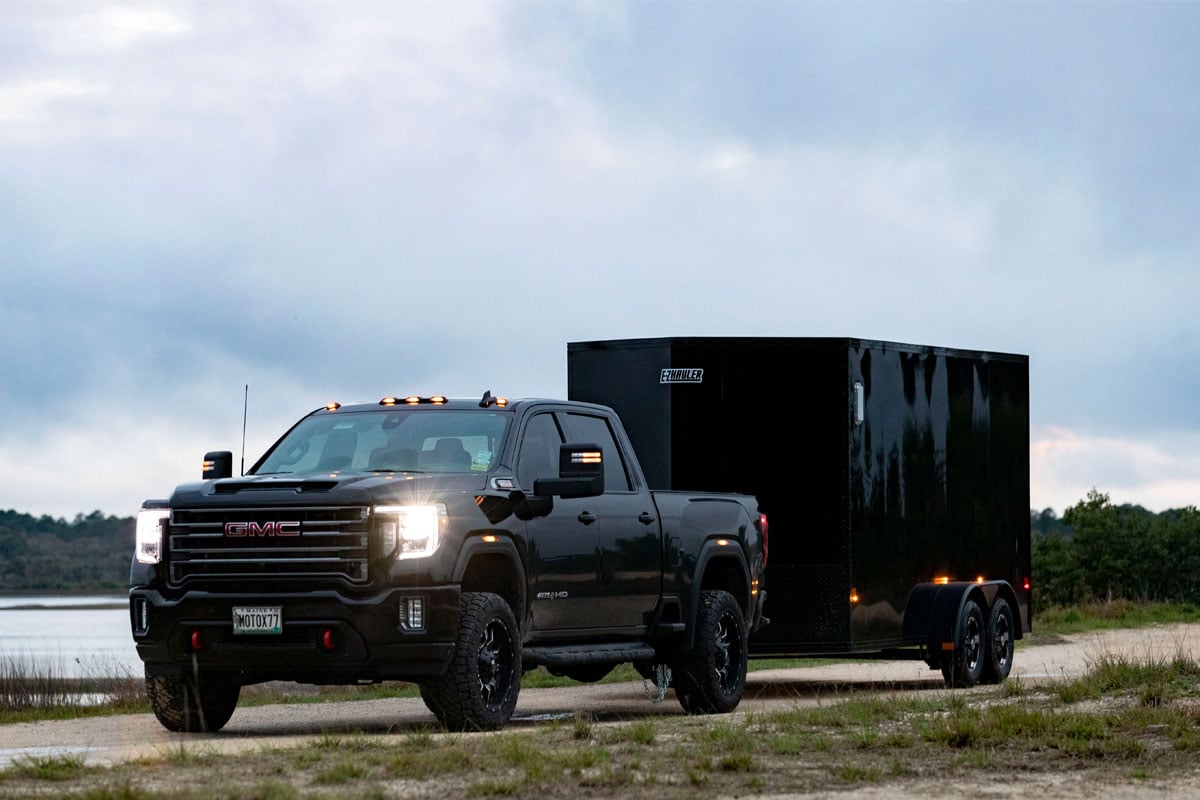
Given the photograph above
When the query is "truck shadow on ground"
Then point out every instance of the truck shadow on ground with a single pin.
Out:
(623, 707)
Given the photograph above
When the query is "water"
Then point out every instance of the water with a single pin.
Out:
(70, 637)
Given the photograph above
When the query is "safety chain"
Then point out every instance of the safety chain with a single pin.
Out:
(662, 682)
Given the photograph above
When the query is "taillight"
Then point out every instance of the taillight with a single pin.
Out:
(766, 537)
(1026, 585)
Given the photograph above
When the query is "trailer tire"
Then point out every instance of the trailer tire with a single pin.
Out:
(478, 691)
(711, 677)
(963, 666)
(998, 660)
(192, 704)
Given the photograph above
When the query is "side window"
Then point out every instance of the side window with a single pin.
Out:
(586, 428)
(539, 451)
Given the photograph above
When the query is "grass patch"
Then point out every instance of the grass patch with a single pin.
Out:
(56, 768)
(1110, 615)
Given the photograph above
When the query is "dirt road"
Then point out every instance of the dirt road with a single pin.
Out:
(109, 740)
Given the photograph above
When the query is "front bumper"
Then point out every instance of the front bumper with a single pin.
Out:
(327, 638)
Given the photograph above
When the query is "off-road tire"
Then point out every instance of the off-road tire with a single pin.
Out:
(998, 661)
(711, 677)
(200, 703)
(478, 691)
(963, 666)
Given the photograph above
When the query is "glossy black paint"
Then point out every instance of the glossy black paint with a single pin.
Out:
(933, 483)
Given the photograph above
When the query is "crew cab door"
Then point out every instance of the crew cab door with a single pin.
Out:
(564, 546)
(630, 541)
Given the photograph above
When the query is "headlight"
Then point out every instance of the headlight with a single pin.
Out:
(410, 531)
(150, 523)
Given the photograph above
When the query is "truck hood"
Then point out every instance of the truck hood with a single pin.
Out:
(344, 488)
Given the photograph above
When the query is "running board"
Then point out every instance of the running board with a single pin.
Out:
(572, 655)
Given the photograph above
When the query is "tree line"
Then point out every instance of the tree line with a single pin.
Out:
(1099, 551)
(43, 554)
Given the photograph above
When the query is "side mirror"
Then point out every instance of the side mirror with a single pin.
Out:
(498, 506)
(218, 464)
(580, 473)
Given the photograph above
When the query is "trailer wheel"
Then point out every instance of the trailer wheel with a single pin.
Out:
(192, 704)
(962, 667)
(711, 677)
(478, 692)
(999, 659)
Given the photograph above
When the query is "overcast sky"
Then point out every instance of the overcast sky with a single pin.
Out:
(345, 200)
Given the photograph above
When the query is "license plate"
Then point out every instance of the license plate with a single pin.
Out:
(258, 619)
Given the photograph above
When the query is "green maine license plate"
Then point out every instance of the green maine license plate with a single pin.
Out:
(258, 619)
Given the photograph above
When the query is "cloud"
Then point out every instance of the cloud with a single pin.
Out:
(1158, 474)
(392, 198)
(121, 26)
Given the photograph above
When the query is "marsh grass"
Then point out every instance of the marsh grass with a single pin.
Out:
(42, 690)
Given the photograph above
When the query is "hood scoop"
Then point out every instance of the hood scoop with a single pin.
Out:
(273, 485)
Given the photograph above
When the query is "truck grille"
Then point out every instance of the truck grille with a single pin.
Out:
(314, 544)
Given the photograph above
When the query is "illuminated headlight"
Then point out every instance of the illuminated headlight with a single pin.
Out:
(410, 531)
(150, 523)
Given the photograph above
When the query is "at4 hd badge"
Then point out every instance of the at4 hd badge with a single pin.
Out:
(673, 375)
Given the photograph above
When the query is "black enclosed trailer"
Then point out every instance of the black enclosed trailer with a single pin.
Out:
(895, 479)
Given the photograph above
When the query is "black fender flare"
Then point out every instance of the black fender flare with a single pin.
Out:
(712, 551)
(485, 542)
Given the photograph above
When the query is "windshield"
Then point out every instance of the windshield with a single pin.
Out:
(402, 440)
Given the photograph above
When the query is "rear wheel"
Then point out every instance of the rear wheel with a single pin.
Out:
(1000, 642)
(962, 667)
(200, 703)
(479, 690)
(711, 677)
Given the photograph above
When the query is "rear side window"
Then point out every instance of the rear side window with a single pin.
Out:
(585, 428)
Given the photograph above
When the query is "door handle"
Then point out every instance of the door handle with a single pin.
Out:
(646, 518)
(587, 517)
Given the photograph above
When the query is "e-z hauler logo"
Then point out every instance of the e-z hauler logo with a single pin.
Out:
(275, 528)
(681, 376)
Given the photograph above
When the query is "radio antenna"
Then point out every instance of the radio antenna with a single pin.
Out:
(245, 410)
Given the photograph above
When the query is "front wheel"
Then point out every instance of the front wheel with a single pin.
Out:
(479, 690)
(202, 703)
(711, 677)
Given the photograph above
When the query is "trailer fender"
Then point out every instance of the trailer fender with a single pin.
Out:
(934, 611)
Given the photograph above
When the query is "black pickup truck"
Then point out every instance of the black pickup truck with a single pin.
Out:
(454, 543)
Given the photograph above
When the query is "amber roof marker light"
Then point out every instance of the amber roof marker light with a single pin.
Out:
(489, 400)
